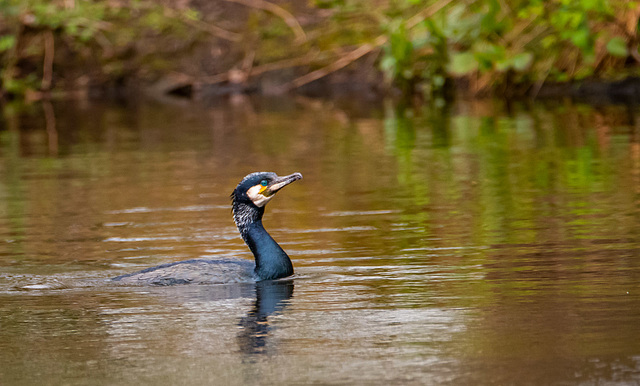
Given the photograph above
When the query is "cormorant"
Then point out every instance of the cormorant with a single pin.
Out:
(271, 261)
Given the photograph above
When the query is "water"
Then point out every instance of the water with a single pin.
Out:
(477, 243)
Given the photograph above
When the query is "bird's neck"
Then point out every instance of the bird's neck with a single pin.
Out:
(271, 260)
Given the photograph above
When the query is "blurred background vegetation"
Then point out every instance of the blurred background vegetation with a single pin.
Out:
(498, 47)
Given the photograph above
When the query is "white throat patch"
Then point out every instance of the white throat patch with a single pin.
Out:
(258, 198)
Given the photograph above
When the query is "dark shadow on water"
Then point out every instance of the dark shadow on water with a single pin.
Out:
(271, 298)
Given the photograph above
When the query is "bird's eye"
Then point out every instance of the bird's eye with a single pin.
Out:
(264, 182)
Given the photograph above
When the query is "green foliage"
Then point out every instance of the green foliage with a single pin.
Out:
(492, 41)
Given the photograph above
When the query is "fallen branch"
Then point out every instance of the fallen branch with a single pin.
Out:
(261, 69)
(285, 63)
(179, 79)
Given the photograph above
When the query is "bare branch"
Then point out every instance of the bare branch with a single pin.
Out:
(362, 50)
(426, 13)
(338, 64)
(261, 69)
(282, 13)
(204, 26)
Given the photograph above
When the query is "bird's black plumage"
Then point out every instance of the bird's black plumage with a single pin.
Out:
(271, 261)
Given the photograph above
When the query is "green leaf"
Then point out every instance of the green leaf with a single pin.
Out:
(463, 63)
(617, 47)
(438, 81)
(7, 42)
(581, 39)
(522, 61)
(503, 65)
(388, 64)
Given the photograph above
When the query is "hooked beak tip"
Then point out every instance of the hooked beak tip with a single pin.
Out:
(281, 182)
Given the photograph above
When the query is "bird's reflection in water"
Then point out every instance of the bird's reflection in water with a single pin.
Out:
(271, 298)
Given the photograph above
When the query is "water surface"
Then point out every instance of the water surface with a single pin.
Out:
(477, 243)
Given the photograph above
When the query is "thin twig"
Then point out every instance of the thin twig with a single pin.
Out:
(214, 30)
(47, 66)
(282, 13)
(426, 13)
(540, 82)
(285, 63)
(204, 26)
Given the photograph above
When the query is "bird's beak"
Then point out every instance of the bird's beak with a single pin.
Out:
(280, 183)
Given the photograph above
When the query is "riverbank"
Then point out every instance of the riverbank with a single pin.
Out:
(207, 49)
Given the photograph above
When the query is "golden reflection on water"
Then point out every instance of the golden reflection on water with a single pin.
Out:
(474, 242)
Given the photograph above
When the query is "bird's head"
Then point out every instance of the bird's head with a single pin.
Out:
(259, 188)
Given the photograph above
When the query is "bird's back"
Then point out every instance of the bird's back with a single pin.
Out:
(197, 271)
